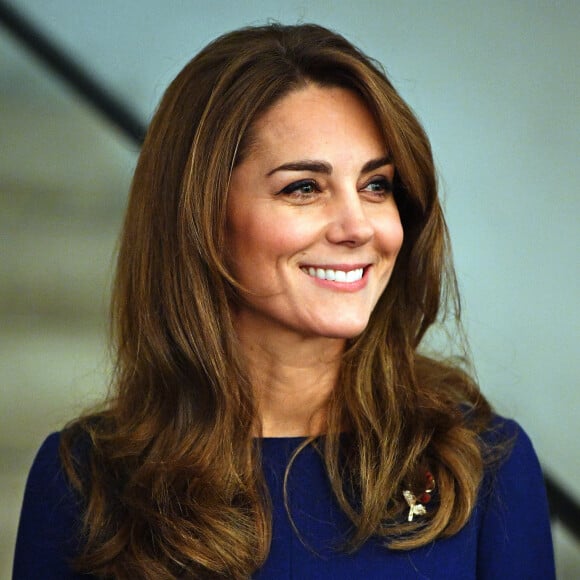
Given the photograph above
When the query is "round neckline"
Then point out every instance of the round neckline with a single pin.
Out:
(284, 438)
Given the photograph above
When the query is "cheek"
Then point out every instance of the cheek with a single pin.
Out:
(398, 236)
(274, 234)
(391, 235)
(256, 242)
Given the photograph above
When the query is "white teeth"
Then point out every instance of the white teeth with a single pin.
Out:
(335, 275)
(352, 276)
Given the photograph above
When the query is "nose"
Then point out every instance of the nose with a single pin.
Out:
(349, 223)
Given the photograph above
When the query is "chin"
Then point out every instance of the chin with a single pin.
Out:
(345, 331)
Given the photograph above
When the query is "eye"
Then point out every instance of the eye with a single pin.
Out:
(379, 187)
(303, 189)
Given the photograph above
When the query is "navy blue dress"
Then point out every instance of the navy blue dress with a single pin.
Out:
(507, 536)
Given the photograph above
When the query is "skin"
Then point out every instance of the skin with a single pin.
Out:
(311, 196)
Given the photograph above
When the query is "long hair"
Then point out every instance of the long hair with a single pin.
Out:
(168, 469)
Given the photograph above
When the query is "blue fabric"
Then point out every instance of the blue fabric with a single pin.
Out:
(508, 535)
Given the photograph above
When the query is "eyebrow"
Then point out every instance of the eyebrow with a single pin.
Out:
(307, 165)
(324, 167)
(376, 163)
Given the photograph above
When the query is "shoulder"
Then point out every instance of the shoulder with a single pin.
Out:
(46, 476)
(47, 460)
(515, 526)
(512, 464)
(49, 528)
(508, 446)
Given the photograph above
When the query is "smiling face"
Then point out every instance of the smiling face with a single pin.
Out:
(313, 230)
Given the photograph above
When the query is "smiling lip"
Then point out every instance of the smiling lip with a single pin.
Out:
(352, 277)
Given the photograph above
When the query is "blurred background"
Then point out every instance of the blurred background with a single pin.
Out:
(496, 85)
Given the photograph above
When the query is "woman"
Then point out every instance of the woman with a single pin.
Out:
(283, 255)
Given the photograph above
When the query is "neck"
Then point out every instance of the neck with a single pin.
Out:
(292, 378)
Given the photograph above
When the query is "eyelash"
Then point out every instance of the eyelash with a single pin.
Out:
(385, 184)
(293, 189)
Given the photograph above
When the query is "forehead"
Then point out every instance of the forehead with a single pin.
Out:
(314, 116)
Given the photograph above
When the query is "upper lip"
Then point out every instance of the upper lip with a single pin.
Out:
(342, 267)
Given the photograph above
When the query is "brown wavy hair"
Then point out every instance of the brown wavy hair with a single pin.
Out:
(168, 468)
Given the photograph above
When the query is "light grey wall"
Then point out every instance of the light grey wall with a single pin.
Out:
(496, 85)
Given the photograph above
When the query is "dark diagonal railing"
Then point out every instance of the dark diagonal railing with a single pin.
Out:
(72, 73)
(563, 507)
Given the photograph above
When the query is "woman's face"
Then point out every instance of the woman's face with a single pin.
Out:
(312, 226)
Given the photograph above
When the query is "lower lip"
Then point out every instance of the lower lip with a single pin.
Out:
(342, 286)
